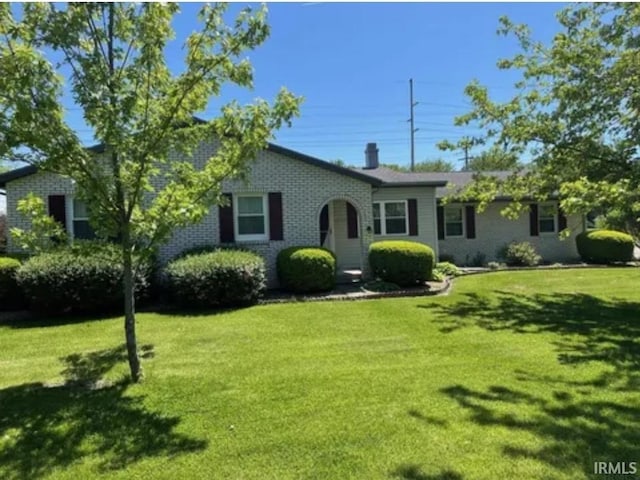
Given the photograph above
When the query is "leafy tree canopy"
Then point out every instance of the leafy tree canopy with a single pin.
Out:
(576, 114)
(141, 183)
(437, 165)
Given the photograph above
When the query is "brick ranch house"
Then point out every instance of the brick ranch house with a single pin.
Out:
(293, 199)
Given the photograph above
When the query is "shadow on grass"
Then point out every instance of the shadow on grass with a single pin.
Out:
(588, 328)
(573, 432)
(45, 427)
(415, 472)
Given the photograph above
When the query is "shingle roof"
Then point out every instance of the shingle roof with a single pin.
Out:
(349, 172)
(443, 179)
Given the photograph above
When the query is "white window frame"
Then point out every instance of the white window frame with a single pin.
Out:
(71, 216)
(383, 218)
(236, 214)
(462, 221)
(554, 217)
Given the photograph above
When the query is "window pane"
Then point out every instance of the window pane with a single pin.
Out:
(376, 226)
(395, 209)
(454, 229)
(250, 205)
(376, 210)
(547, 211)
(79, 209)
(395, 225)
(453, 214)
(82, 230)
(253, 225)
(547, 225)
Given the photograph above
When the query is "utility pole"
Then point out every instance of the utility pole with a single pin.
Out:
(413, 130)
(466, 157)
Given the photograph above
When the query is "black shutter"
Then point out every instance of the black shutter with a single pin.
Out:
(324, 224)
(562, 219)
(225, 217)
(412, 205)
(352, 221)
(533, 220)
(58, 210)
(276, 229)
(470, 217)
(440, 211)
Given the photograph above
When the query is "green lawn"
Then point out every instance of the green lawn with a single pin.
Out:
(525, 375)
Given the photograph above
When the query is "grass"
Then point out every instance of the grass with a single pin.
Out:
(529, 375)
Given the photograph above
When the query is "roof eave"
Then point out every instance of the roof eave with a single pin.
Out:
(434, 183)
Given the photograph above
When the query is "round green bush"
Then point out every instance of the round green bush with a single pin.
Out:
(605, 246)
(83, 278)
(402, 262)
(10, 294)
(306, 269)
(220, 278)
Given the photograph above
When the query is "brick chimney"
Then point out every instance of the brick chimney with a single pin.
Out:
(371, 156)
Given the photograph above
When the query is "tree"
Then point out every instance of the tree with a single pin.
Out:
(576, 113)
(140, 183)
(493, 159)
(437, 165)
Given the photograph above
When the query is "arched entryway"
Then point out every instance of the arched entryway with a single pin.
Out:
(340, 230)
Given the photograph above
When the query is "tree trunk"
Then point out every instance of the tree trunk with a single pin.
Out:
(129, 310)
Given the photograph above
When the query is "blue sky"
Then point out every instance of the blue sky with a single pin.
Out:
(352, 63)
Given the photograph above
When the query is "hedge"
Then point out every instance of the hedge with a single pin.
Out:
(83, 278)
(402, 262)
(306, 269)
(218, 278)
(605, 246)
(10, 294)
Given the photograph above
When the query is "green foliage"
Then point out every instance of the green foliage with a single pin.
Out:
(381, 286)
(10, 294)
(45, 232)
(574, 114)
(86, 277)
(520, 254)
(218, 278)
(495, 265)
(493, 159)
(306, 269)
(141, 183)
(437, 165)
(605, 246)
(402, 262)
(446, 268)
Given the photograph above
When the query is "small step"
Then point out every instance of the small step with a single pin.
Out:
(349, 276)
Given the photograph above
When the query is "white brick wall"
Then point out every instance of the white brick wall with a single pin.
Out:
(305, 189)
(493, 231)
(427, 222)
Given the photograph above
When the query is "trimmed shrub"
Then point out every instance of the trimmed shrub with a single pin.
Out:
(306, 269)
(10, 294)
(219, 278)
(520, 254)
(447, 269)
(605, 246)
(83, 278)
(402, 262)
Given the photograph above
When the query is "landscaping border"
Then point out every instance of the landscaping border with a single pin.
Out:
(359, 293)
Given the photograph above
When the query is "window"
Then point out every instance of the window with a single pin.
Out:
(251, 217)
(81, 228)
(453, 225)
(547, 219)
(390, 218)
